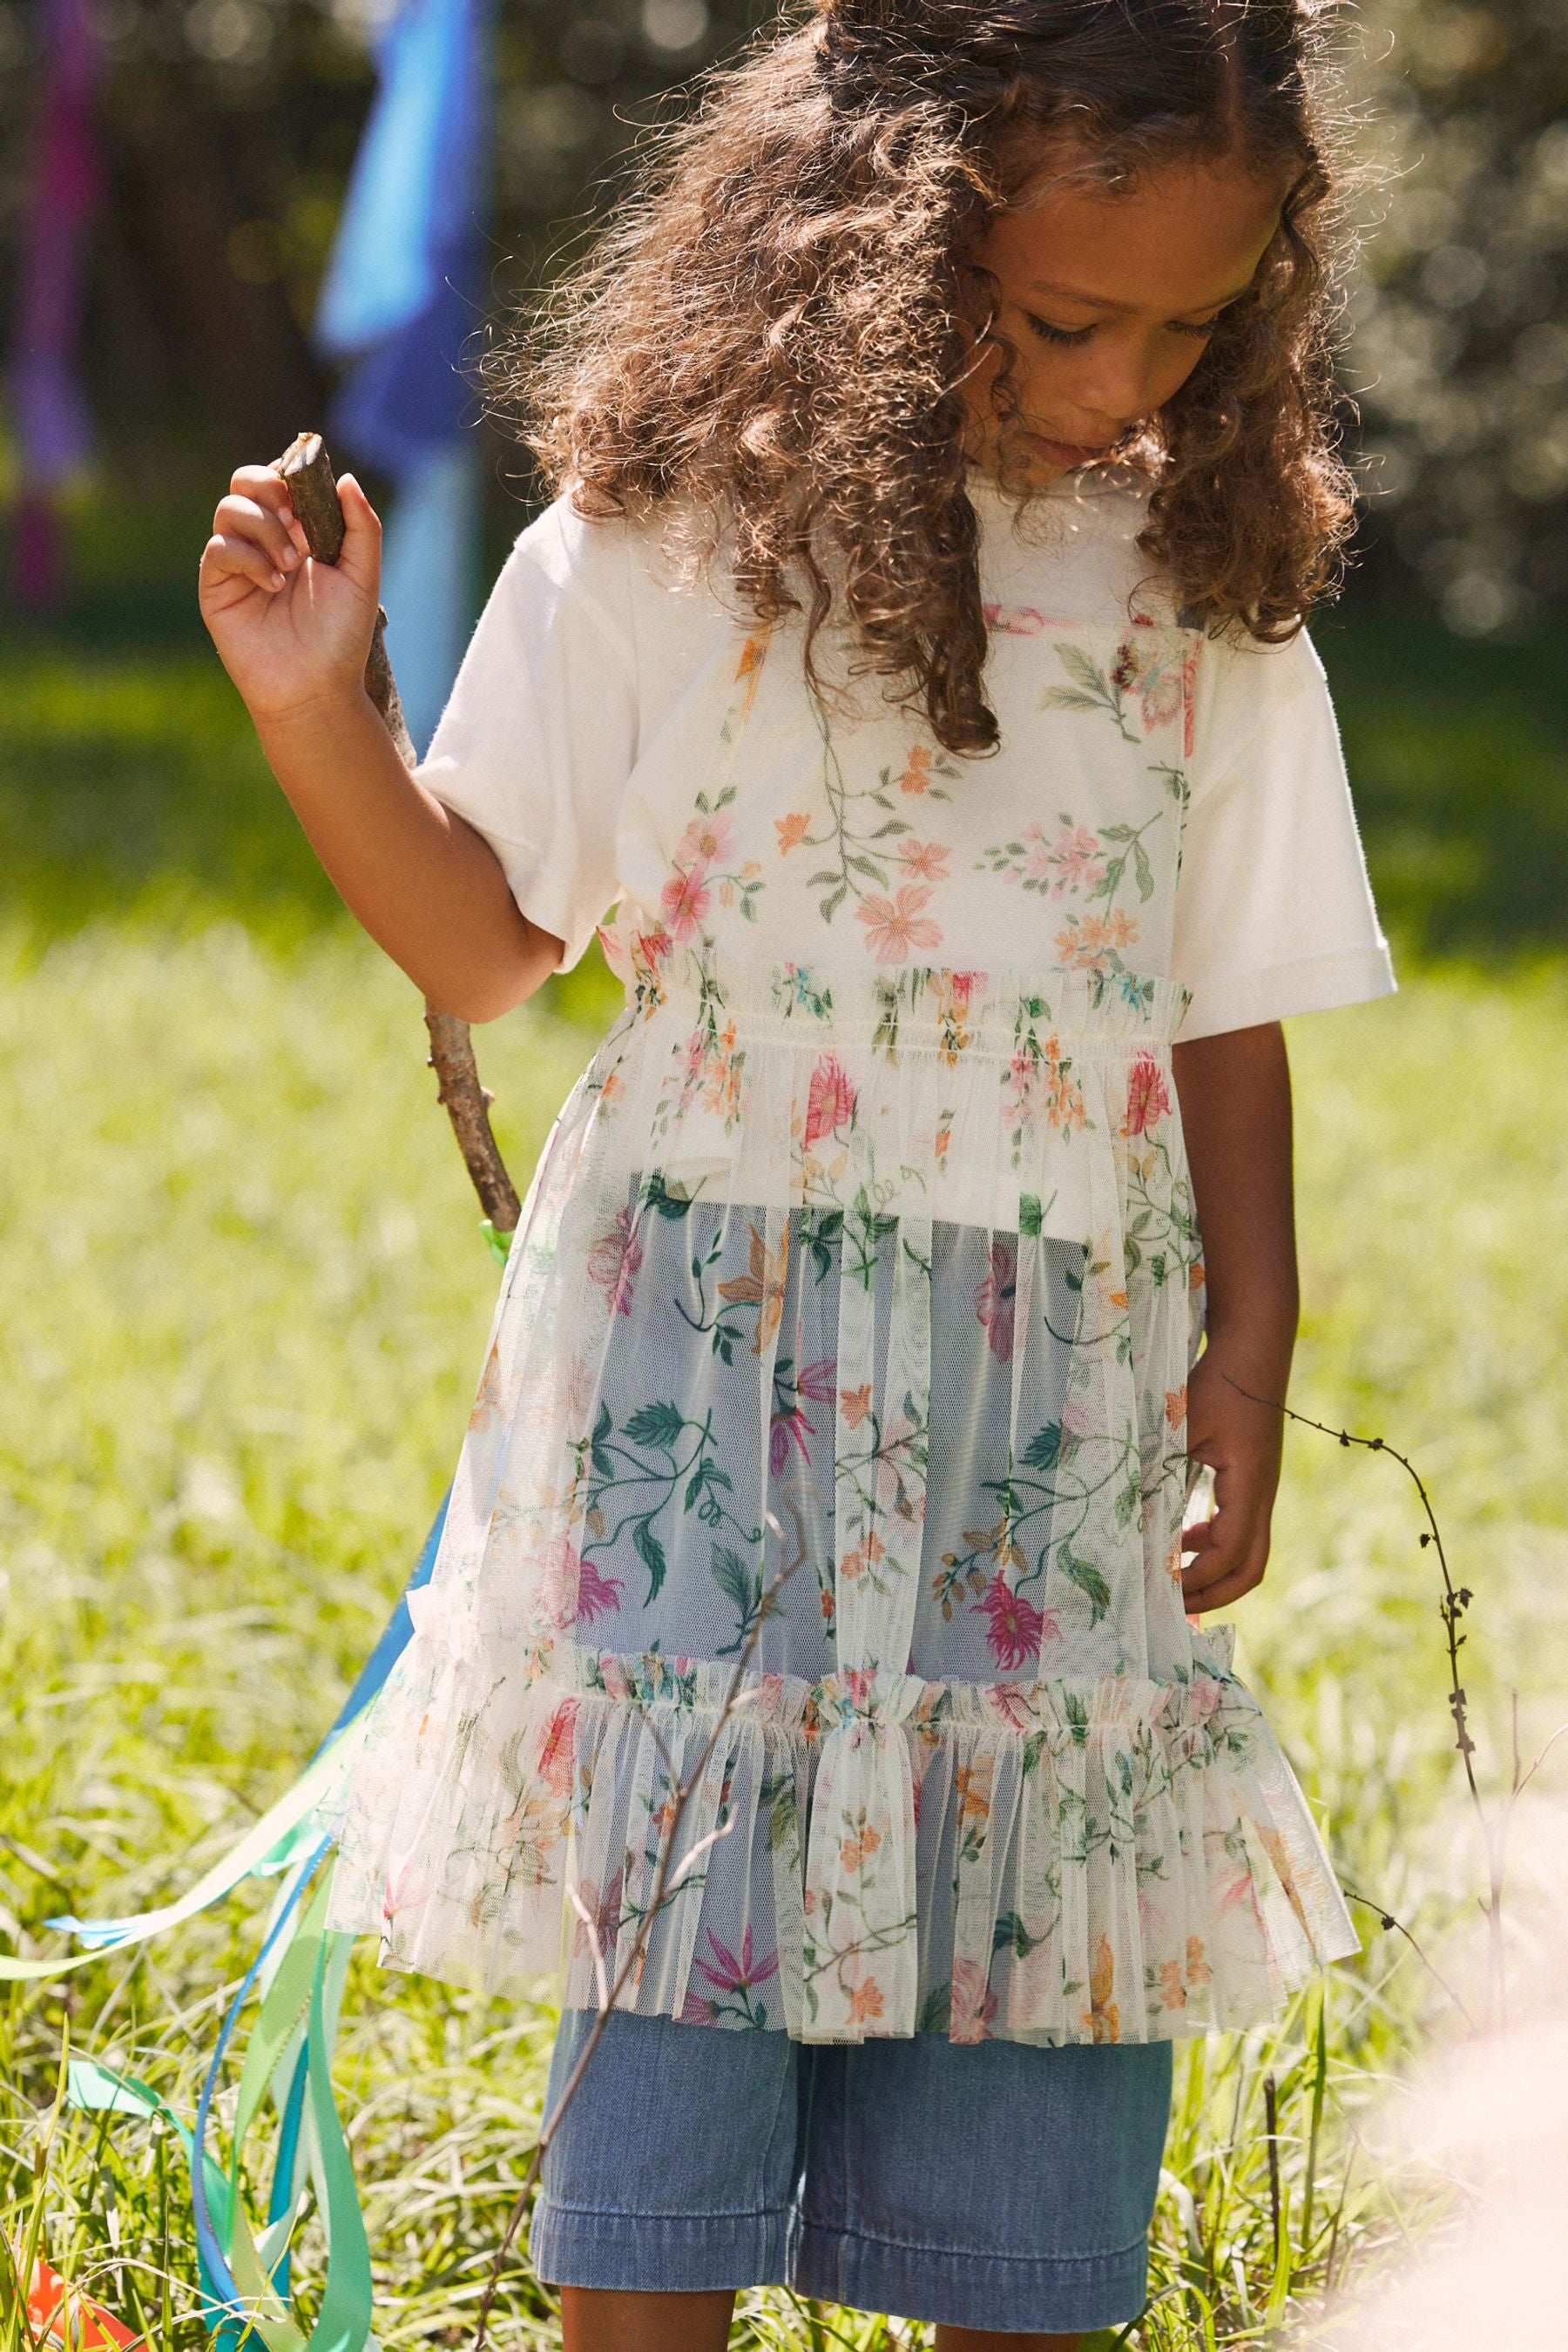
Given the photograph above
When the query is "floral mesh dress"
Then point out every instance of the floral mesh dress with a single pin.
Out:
(841, 1360)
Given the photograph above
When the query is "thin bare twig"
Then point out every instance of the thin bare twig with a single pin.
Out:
(313, 493)
(1454, 1601)
(1386, 1919)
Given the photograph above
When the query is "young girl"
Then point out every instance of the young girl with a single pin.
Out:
(942, 443)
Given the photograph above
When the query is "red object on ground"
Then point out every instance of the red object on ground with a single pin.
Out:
(70, 2318)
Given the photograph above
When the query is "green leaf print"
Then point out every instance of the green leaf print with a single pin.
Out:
(820, 1231)
(859, 820)
(650, 1552)
(1010, 1934)
(1091, 689)
(1088, 1580)
(776, 1798)
(1082, 667)
(602, 1462)
(1044, 1450)
(936, 2010)
(666, 1199)
(743, 1588)
(656, 1424)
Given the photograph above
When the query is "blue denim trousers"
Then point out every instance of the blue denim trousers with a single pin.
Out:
(996, 2185)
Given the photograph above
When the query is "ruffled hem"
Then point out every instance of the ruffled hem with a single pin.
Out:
(868, 1854)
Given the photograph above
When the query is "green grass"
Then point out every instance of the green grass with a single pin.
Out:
(245, 1302)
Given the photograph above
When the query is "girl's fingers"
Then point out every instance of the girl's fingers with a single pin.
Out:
(1226, 1564)
(265, 486)
(243, 517)
(227, 558)
(361, 557)
(1241, 1580)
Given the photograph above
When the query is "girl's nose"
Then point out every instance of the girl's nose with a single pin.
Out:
(1114, 386)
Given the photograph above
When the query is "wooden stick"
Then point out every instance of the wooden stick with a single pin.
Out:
(313, 490)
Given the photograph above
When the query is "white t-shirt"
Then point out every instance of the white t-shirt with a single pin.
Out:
(593, 689)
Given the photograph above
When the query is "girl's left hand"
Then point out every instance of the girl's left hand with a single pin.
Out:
(1243, 1442)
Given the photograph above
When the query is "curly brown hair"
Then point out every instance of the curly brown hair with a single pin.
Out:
(770, 336)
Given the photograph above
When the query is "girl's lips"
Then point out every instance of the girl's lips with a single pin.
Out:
(1070, 454)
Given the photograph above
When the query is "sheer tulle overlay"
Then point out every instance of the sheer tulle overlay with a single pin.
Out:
(838, 1382)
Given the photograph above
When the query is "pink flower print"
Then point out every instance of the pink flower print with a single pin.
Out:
(1144, 666)
(559, 1568)
(686, 898)
(830, 1100)
(973, 2003)
(895, 927)
(924, 861)
(783, 1428)
(650, 949)
(572, 1591)
(1014, 1627)
(1014, 620)
(404, 1889)
(1079, 1425)
(707, 841)
(597, 1596)
(1074, 858)
(615, 1261)
(603, 1924)
(996, 1298)
(789, 1424)
(557, 1756)
(728, 1971)
(1148, 1097)
(916, 777)
(1022, 1068)
(896, 1476)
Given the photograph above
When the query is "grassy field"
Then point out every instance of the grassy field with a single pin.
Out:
(245, 1300)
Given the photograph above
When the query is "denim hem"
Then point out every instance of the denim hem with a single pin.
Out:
(656, 2253)
(1009, 2292)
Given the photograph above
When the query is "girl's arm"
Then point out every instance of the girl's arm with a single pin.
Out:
(1235, 1092)
(294, 636)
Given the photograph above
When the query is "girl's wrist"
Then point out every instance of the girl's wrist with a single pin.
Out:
(1256, 1349)
(332, 711)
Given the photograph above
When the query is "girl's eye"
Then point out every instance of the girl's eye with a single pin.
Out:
(1049, 334)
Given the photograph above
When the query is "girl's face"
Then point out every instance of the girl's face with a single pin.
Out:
(1107, 299)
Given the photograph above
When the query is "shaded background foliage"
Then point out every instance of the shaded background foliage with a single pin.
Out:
(1461, 316)
(229, 126)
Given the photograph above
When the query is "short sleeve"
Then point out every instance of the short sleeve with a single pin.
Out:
(539, 733)
(1274, 910)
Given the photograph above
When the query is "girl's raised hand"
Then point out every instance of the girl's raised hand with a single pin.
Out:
(293, 634)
